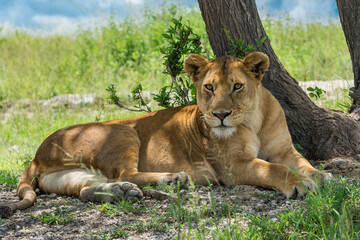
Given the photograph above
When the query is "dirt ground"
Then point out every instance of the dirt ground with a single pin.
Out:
(141, 220)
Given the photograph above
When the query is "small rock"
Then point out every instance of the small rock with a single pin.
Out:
(183, 192)
(248, 189)
(132, 199)
(204, 189)
(67, 229)
(273, 203)
(5, 211)
(239, 189)
(246, 198)
(341, 162)
(164, 206)
(3, 228)
(281, 197)
(85, 228)
(52, 195)
(253, 199)
(250, 211)
(259, 207)
(17, 227)
(68, 99)
(46, 237)
(27, 219)
(159, 195)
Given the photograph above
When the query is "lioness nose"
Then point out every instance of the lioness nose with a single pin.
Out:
(221, 115)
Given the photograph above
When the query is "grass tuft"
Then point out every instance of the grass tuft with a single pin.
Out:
(61, 216)
(329, 213)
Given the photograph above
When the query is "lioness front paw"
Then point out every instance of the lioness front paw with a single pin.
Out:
(298, 187)
(180, 177)
(321, 177)
(111, 192)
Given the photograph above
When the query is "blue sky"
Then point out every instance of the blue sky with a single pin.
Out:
(67, 15)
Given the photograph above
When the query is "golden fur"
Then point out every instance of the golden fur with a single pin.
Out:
(237, 134)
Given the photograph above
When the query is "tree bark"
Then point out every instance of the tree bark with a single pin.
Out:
(323, 134)
(349, 12)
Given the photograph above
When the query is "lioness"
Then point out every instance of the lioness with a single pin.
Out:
(237, 134)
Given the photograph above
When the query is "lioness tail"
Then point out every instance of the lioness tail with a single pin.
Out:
(25, 192)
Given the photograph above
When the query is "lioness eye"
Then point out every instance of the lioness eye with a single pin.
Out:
(238, 86)
(209, 87)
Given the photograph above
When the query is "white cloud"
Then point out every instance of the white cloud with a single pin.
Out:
(135, 1)
(6, 28)
(312, 10)
(64, 17)
(305, 10)
(298, 12)
(58, 24)
(48, 20)
(106, 4)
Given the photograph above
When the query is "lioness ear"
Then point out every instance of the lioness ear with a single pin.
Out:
(258, 63)
(193, 63)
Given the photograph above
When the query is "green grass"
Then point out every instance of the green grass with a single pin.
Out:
(113, 233)
(331, 212)
(60, 216)
(150, 220)
(311, 51)
(122, 206)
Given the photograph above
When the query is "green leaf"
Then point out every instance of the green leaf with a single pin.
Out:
(167, 36)
(319, 91)
(193, 91)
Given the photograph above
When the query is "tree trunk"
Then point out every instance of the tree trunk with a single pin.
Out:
(349, 11)
(322, 133)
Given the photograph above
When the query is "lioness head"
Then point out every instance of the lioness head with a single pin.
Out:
(227, 88)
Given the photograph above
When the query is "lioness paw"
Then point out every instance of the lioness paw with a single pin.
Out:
(297, 187)
(111, 192)
(321, 177)
(180, 177)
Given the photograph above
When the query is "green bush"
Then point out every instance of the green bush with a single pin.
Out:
(127, 53)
